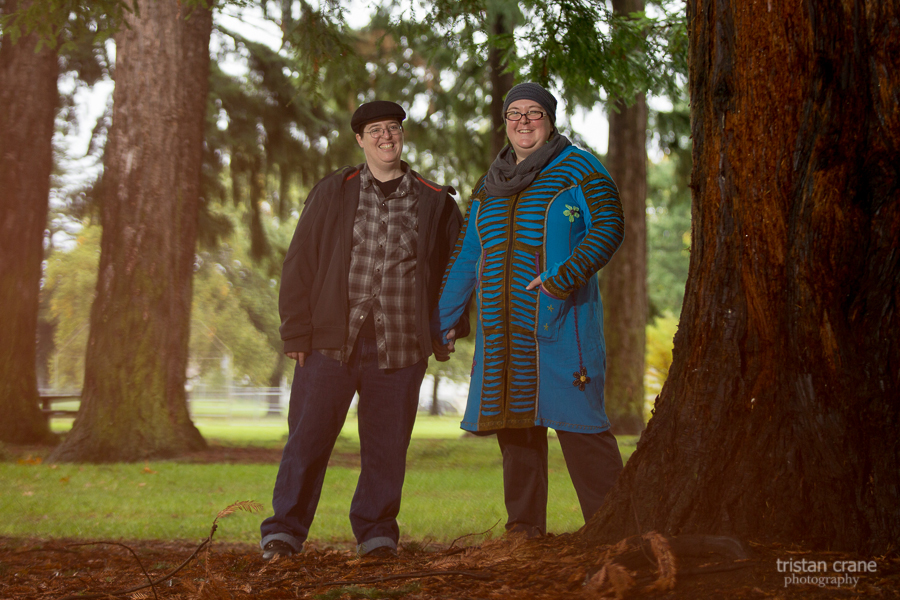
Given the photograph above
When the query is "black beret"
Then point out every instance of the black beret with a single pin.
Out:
(375, 111)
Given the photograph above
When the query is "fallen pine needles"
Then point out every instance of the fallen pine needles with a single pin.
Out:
(244, 505)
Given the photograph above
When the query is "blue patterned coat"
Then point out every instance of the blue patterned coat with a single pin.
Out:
(540, 356)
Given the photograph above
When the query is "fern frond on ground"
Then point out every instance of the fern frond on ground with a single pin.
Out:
(666, 564)
(251, 506)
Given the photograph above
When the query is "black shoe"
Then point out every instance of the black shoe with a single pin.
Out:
(381, 552)
(277, 548)
(530, 531)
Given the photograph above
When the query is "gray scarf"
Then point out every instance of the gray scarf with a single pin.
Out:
(506, 178)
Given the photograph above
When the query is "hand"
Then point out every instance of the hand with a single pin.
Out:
(442, 351)
(451, 336)
(300, 357)
(535, 283)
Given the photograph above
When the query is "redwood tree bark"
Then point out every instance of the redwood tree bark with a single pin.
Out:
(28, 102)
(134, 403)
(780, 419)
(623, 282)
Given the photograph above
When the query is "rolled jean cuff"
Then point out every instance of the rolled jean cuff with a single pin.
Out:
(371, 544)
(283, 537)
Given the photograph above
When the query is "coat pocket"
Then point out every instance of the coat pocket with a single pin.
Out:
(550, 316)
(550, 312)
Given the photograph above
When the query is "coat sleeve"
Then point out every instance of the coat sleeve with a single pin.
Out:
(459, 278)
(297, 274)
(454, 224)
(605, 223)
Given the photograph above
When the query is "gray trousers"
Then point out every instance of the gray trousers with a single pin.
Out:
(593, 461)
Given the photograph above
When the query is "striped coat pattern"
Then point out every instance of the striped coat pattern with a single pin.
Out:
(540, 356)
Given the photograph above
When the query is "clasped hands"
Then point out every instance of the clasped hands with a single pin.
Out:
(442, 351)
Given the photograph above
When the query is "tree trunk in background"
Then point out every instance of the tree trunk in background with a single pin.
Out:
(435, 403)
(501, 83)
(28, 102)
(259, 244)
(134, 403)
(623, 282)
(284, 190)
(780, 419)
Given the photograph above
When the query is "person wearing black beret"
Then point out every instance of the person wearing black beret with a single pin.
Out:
(359, 284)
(375, 111)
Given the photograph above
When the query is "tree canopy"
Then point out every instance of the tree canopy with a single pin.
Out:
(276, 127)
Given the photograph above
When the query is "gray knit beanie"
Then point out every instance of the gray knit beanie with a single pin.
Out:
(532, 91)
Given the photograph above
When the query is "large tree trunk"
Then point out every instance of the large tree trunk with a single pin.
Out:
(780, 419)
(624, 280)
(28, 102)
(134, 403)
(501, 83)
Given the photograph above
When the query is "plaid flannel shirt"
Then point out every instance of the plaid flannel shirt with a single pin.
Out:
(382, 275)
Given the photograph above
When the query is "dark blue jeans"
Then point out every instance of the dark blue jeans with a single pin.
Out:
(320, 398)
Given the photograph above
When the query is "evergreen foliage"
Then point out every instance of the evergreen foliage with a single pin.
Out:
(581, 45)
(279, 121)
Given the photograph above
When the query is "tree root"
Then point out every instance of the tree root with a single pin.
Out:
(617, 564)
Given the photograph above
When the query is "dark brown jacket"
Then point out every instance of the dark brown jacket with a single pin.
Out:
(313, 298)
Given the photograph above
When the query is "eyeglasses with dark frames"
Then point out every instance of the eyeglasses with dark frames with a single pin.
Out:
(533, 115)
(377, 132)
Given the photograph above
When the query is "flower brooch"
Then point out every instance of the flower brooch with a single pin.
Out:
(581, 378)
(573, 212)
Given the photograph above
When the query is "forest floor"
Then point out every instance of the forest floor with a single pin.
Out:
(552, 567)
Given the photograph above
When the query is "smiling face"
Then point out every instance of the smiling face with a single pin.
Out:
(382, 153)
(525, 135)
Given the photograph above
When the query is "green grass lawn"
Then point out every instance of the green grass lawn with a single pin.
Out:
(453, 488)
(271, 431)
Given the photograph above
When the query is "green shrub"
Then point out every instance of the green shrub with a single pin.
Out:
(658, 357)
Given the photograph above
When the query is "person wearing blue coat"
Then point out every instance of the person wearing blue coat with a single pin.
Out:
(542, 222)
